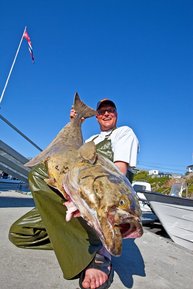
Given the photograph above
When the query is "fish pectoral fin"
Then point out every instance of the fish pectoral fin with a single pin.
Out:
(88, 152)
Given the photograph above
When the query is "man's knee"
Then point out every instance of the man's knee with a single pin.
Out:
(29, 232)
(36, 178)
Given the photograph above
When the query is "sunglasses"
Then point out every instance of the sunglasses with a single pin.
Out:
(109, 110)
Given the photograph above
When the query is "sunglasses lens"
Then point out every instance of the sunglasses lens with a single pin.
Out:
(109, 110)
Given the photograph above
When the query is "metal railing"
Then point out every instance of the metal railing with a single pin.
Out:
(12, 162)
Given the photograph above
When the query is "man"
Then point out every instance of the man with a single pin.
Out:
(77, 248)
(120, 145)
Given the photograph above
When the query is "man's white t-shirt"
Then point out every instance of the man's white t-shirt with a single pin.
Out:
(124, 144)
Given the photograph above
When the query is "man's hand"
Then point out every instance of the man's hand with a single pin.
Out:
(72, 211)
(73, 114)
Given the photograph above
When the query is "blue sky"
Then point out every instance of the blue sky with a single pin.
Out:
(138, 53)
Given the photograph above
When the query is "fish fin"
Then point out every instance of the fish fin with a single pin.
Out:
(82, 109)
(88, 152)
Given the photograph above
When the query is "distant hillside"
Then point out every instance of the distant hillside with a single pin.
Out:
(163, 184)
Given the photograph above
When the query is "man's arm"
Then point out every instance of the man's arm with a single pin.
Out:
(123, 167)
(125, 144)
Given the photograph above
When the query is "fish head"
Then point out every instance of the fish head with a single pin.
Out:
(119, 212)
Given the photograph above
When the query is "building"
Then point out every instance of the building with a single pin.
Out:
(189, 168)
(153, 173)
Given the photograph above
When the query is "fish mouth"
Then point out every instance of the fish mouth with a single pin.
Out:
(130, 229)
(127, 225)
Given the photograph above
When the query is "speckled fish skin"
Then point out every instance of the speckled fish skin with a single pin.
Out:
(102, 194)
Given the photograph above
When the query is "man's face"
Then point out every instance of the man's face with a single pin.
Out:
(107, 117)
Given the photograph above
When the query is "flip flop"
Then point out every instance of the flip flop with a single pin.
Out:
(101, 263)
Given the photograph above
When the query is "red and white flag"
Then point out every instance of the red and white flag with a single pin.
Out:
(26, 36)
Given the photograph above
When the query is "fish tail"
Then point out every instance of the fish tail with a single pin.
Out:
(82, 109)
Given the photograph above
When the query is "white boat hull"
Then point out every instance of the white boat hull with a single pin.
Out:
(176, 216)
(148, 216)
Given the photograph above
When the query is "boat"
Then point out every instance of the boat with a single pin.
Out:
(175, 213)
(148, 216)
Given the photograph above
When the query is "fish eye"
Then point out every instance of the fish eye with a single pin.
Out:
(121, 202)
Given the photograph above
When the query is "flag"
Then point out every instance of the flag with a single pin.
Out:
(26, 36)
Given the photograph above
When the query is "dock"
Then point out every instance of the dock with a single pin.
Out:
(149, 262)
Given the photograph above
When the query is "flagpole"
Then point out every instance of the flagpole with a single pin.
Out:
(6, 83)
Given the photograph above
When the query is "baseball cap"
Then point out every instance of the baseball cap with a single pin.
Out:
(105, 101)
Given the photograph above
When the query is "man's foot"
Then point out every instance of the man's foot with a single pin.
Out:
(94, 278)
(98, 275)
